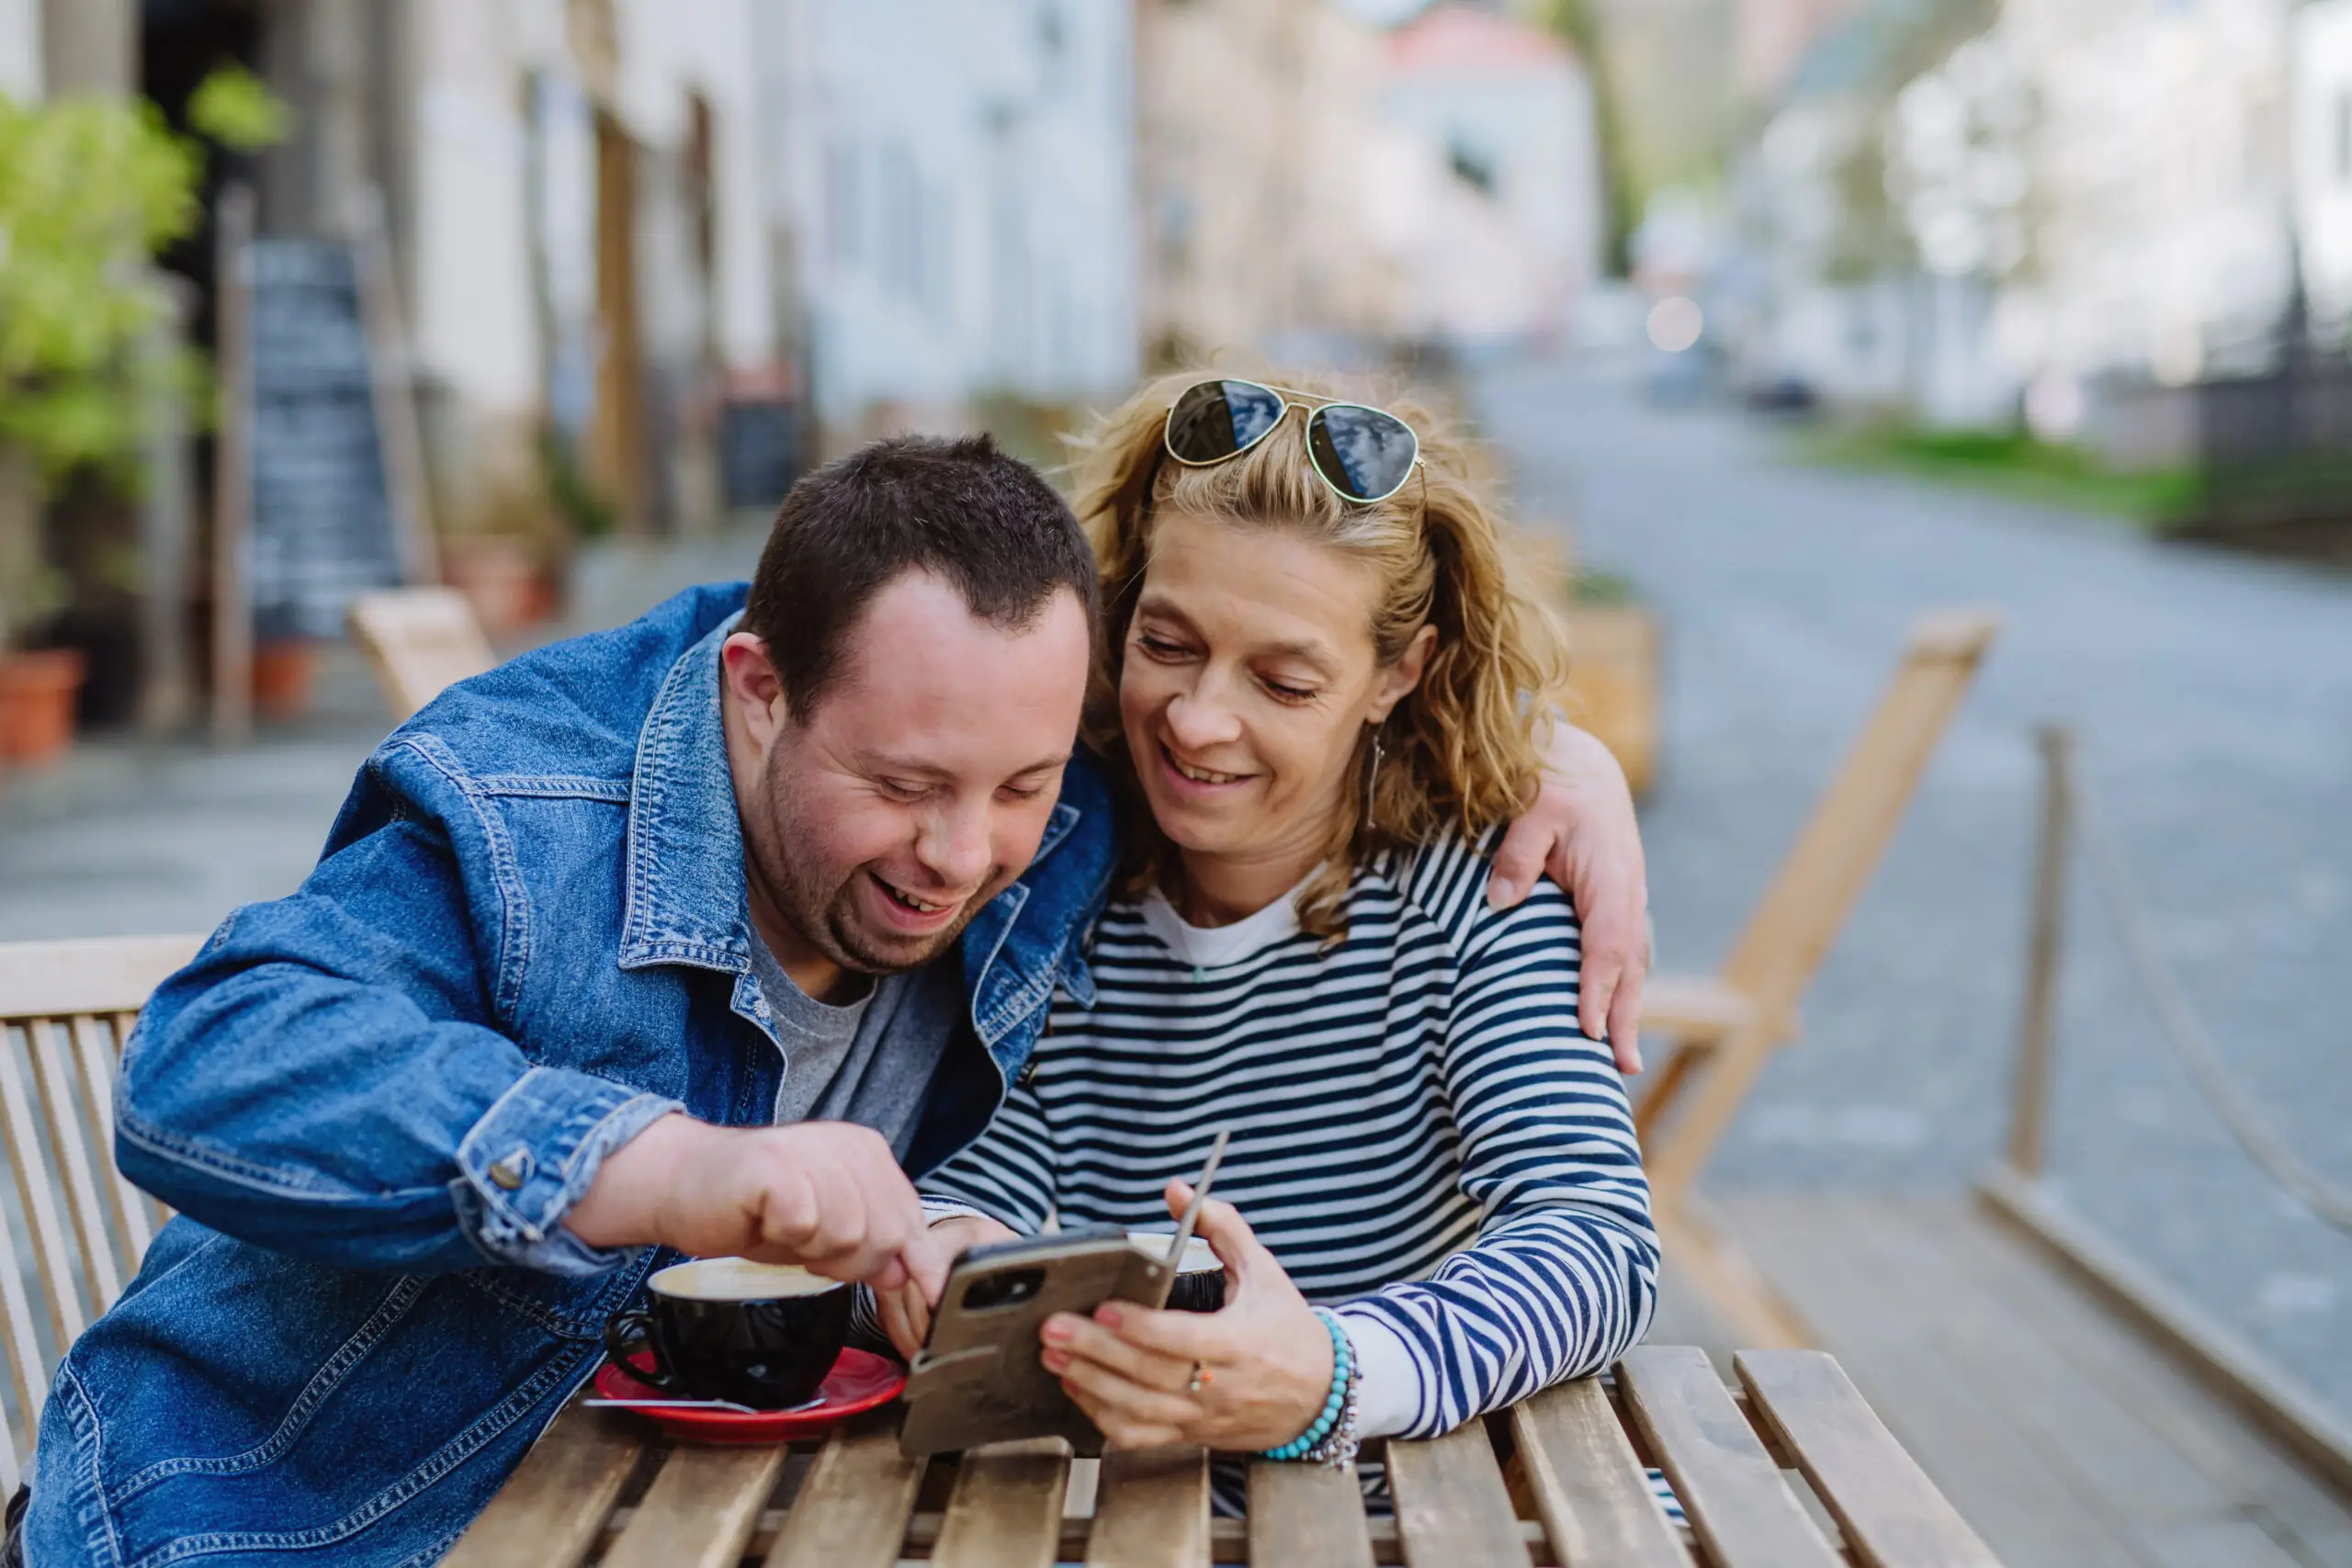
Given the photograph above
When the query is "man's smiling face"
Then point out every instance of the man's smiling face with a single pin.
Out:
(921, 784)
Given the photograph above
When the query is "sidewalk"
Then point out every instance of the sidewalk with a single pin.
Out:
(129, 836)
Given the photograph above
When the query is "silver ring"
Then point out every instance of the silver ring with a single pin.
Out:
(1201, 1380)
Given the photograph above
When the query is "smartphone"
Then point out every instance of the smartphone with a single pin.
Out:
(977, 1378)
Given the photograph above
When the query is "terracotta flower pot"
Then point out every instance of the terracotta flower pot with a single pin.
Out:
(36, 693)
(282, 676)
(502, 579)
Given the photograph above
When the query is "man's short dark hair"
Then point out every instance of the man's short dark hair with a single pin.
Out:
(962, 509)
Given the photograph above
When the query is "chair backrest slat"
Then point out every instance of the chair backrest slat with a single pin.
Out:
(66, 1009)
(1855, 819)
(36, 1185)
(97, 1079)
(70, 1146)
(28, 1372)
(420, 640)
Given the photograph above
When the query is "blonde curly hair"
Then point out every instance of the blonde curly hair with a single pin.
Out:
(1461, 748)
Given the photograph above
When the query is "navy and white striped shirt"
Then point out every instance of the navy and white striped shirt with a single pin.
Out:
(1420, 1133)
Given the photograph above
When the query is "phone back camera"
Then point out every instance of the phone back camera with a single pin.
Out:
(995, 1292)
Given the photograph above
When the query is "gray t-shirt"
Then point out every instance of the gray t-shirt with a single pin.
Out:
(869, 1061)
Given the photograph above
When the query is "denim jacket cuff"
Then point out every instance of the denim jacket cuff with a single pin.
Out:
(534, 1156)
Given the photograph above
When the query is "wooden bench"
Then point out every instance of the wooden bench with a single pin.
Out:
(66, 1009)
(1559, 1479)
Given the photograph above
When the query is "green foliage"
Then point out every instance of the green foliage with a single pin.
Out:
(234, 108)
(2014, 463)
(1599, 588)
(91, 188)
(577, 498)
(88, 186)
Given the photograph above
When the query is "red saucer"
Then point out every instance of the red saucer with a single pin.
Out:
(859, 1380)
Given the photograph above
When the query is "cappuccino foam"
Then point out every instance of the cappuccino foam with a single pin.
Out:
(739, 1280)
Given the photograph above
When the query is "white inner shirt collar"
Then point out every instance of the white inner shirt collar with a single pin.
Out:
(1212, 947)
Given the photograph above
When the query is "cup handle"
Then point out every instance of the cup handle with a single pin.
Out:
(623, 1333)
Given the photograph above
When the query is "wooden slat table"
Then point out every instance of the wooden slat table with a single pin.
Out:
(1790, 1469)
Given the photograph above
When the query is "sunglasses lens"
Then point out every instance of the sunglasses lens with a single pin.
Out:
(1364, 454)
(1217, 419)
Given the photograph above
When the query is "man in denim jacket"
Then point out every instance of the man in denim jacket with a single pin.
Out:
(587, 978)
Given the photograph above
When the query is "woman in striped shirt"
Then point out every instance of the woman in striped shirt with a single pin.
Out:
(1324, 683)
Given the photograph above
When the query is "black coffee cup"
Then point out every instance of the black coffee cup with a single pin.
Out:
(1200, 1278)
(758, 1333)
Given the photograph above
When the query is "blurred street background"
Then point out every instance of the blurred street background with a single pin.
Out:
(1788, 320)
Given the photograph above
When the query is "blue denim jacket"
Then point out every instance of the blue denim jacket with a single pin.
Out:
(371, 1103)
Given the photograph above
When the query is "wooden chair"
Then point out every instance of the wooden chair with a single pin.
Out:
(420, 640)
(1727, 1026)
(66, 1009)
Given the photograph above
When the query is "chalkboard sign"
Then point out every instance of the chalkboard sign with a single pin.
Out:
(322, 528)
(759, 451)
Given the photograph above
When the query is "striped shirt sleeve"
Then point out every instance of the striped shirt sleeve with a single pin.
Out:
(1563, 1277)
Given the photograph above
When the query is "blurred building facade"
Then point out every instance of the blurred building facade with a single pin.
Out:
(1496, 211)
(1243, 107)
(590, 243)
(1817, 290)
(2157, 166)
(20, 49)
(1311, 180)
(2039, 204)
(958, 183)
(2321, 134)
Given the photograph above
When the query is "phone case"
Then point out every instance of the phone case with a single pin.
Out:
(977, 1378)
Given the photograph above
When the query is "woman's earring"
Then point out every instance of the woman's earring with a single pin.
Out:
(1372, 778)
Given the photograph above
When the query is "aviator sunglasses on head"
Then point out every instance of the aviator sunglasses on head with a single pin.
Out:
(1364, 454)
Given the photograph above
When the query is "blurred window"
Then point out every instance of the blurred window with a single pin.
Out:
(1473, 166)
(842, 204)
(2344, 137)
(901, 257)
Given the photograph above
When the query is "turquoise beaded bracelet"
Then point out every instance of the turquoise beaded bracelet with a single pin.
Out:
(1336, 1404)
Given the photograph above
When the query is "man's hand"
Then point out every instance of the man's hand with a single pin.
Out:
(906, 1312)
(827, 1195)
(1580, 829)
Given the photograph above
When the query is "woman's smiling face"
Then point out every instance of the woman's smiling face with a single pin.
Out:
(1249, 676)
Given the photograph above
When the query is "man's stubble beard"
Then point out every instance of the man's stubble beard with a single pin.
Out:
(826, 917)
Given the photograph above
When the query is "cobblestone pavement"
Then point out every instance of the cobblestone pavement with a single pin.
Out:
(2214, 696)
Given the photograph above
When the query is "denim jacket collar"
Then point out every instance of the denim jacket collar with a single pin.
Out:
(686, 894)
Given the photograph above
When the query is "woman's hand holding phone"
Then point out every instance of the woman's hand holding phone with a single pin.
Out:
(1265, 1358)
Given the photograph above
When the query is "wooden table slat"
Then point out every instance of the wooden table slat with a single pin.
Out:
(1304, 1515)
(1892, 1515)
(1738, 1502)
(1589, 1485)
(552, 1509)
(1453, 1508)
(1151, 1510)
(1006, 1510)
(701, 1509)
(853, 1508)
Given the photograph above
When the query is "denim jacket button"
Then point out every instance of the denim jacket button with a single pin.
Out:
(510, 1171)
